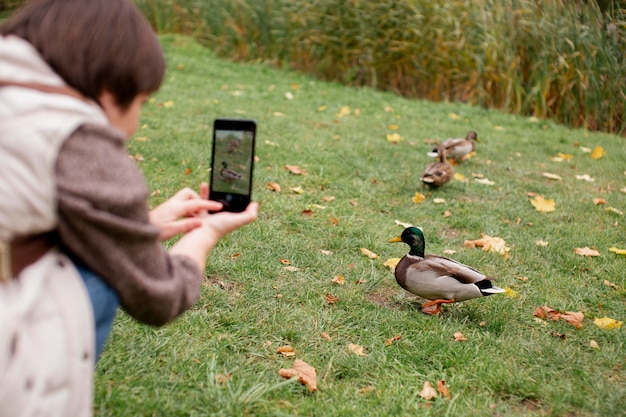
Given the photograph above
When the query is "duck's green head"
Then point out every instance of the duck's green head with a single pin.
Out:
(413, 237)
(224, 164)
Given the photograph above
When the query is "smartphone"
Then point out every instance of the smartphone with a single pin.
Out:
(232, 162)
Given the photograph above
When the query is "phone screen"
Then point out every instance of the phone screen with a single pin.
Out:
(232, 162)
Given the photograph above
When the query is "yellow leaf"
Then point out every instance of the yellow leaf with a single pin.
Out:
(168, 103)
(393, 127)
(565, 155)
(339, 279)
(607, 323)
(343, 111)
(598, 153)
(542, 204)
(418, 198)
(322, 108)
(552, 176)
(618, 251)
(391, 263)
(460, 177)
(511, 293)
(369, 253)
(614, 210)
(454, 116)
(297, 190)
(394, 137)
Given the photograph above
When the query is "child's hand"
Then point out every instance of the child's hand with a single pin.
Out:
(183, 211)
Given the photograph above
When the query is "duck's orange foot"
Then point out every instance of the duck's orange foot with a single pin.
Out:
(433, 308)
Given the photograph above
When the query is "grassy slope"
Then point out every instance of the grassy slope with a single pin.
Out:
(511, 364)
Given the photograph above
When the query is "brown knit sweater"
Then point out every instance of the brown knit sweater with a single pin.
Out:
(104, 223)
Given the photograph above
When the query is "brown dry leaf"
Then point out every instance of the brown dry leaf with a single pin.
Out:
(356, 349)
(306, 374)
(274, 186)
(428, 392)
(339, 279)
(326, 336)
(365, 390)
(573, 318)
(284, 261)
(552, 176)
(609, 284)
(308, 212)
(447, 213)
(441, 387)
(542, 204)
(489, 243)
(286, 350)
(599, 201)
(391, 341)
(598, 152)
(331, 299)
(235, 255)
(326, 252)
(334, 220)
(586, 251)
(296, 170)
(369, 253)
(292, 268)
(328, 198)
(223, 377)
(458, 337)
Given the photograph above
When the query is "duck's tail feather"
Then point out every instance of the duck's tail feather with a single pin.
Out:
(487, 288)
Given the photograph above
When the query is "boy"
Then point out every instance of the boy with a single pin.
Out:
(76, 235)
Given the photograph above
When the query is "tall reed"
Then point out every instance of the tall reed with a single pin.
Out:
(555, 59)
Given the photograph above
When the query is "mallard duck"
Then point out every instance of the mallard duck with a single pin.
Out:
(438, 173)
(437, 278)
(457, 148)
(228, 174)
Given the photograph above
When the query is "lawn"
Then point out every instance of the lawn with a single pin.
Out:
(360, 154)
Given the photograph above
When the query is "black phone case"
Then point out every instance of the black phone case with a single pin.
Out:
(232, 163)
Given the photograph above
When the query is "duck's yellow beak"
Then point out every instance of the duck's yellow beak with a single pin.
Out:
(395, 239)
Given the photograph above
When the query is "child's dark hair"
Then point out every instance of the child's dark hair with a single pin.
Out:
(93, 45)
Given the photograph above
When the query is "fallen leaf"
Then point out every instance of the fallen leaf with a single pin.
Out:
(439, 200)
(274, 186)
(586, 251)
(573, 318)
(484, 181)
(331, 299)
(403, 224)
(609, 284)
(449, 251)
(607, 323)
(223, 377)
(585, 177)
(391, 263)
(296, 170)
(369, 253)
(308, 212)
(326, 252)
(357, 349)
(168, 103)
(598, 153)
(338, 279)
(391, 341)
(441, 387)
(365, 390)
(284, 261)
(488, 243)
(552, 176)
(542, 204)
(292, 268)
(428, 392)
(447, 213)
(541, 243)
(334, 220)
(326, 336)
(593, 344)
(458, 337)
(460, 177)
(306, 374)
(343, 111)
(454, 116)
(618, 251)
(328, 198)
(394, 137)
(289, 95)
(614, 210)
(393, 127)
(322, 108)
(599, 201)
(418, 198)
(510, 293)
(297, 190)
(286, 350)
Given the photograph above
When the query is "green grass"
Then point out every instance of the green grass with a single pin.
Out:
(511, 364)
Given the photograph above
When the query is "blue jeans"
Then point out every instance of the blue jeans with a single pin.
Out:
(104, 301)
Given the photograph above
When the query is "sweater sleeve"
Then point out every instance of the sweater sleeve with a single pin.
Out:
(104, 223)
